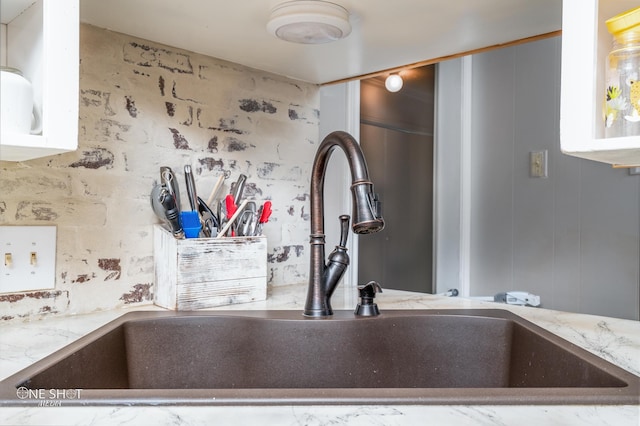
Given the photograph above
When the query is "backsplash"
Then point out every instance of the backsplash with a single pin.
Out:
(144, 105)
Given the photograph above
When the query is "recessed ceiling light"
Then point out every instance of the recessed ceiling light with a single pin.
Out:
(309, 21)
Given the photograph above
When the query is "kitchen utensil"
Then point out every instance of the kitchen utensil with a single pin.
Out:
(231, 205)
(247, 220)
(222, 214)
(264, 213)
(190, 223)
(168, 179)
(204, 208)
(207, 226)
(156, 204)
(191, 187)
(210, 223)
(19, 112)
(215, 190)
(171, 212)
(231, 209)
(233, 218)
(238, 188)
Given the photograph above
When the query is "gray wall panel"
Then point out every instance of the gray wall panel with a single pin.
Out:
(447, 152)
(492, 172)
(572, 238)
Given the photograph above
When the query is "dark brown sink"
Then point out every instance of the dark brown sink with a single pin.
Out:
(281, 357)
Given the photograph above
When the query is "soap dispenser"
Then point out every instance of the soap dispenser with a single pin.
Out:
(367, 293)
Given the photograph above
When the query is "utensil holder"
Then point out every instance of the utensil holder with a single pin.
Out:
(201, 273)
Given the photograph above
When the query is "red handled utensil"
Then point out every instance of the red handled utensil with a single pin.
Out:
(265, 213)
(231, 206)
(231, 209)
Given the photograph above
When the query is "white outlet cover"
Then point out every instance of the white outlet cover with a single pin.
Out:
(19, 269)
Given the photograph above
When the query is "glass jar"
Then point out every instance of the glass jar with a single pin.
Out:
(622, 97)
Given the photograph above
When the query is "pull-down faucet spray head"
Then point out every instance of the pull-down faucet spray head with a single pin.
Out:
(367, 214)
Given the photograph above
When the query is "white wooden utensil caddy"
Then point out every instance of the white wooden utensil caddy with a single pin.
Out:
(200, 273)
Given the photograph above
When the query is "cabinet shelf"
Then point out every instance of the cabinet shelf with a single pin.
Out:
(585, 45)
(41, 38)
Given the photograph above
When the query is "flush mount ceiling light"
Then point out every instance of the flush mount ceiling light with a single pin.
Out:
(309, 21)
(393, 83)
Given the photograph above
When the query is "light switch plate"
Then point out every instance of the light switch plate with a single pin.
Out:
(538, 164)
(28, 258)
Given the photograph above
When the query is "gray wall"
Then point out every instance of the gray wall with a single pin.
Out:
(572, 238)
(397, 140)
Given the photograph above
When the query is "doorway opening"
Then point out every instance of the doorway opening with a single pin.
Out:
(396, 135)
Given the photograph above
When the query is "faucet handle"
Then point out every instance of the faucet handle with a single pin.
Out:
(344, 229)
(367, 292)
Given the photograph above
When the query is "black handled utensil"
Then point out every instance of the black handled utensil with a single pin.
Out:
(205, 211)
(168, 180)
(171, 212)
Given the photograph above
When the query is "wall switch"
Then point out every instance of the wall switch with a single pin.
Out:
(28, 258)
(538, 163)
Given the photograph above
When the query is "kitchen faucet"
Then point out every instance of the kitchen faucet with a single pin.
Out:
(367, 218)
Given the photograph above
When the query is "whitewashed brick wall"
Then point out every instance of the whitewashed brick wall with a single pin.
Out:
(144, 105)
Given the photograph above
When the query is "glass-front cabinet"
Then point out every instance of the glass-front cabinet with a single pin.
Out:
(586, 43)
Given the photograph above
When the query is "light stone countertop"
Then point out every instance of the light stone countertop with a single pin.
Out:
(616, 340)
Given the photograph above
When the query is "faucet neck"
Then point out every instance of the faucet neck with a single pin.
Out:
(357, 165)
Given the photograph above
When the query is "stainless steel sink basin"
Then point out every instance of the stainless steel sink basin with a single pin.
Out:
(281, 357)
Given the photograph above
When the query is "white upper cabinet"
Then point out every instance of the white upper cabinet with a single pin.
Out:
(41, 39)
(585, 46)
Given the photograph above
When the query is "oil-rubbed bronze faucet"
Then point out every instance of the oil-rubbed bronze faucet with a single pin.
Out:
(367, 218)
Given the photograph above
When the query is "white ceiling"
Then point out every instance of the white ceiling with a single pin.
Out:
(9, 9)
(386, 33)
